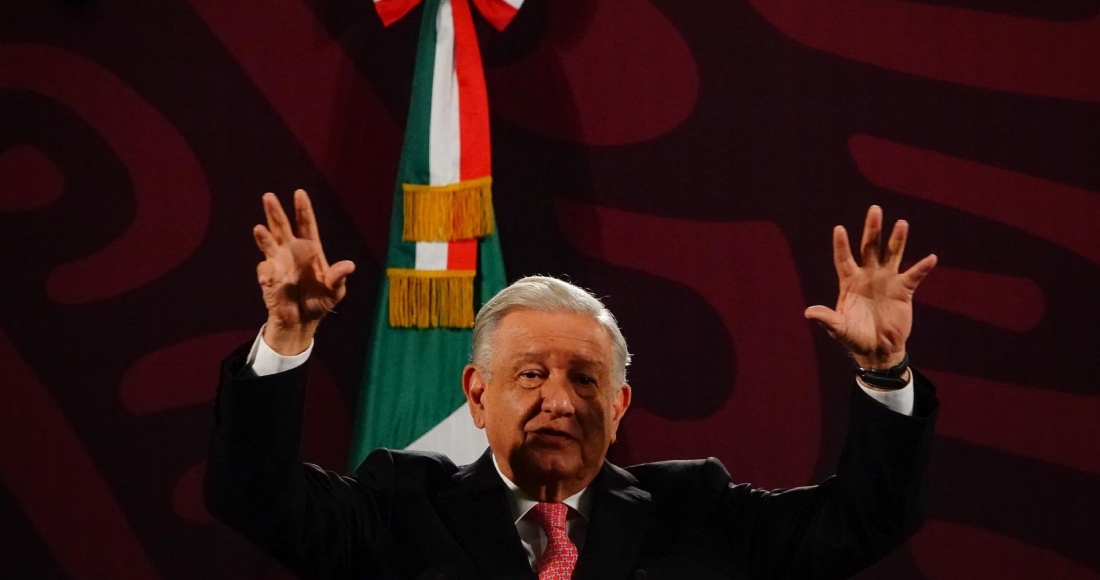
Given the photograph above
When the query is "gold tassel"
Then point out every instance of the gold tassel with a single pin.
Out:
(431, 298)
(443, 213)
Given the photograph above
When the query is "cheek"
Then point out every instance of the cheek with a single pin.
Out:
(509, 407)
(595, 417)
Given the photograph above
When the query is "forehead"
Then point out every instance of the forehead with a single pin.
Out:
(524, 333)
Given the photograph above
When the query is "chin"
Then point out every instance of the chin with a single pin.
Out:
(547, 464)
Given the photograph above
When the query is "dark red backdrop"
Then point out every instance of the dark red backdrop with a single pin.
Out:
(685, 159)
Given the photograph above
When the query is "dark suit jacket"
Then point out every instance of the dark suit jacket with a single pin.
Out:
(417, 515)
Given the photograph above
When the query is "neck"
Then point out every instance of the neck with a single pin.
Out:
(545, 487)
(556, 492)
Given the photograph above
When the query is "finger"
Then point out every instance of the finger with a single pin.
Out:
(277, 221)
(264, 241)
(337, 274)
(895, 247)
(915, 274)
(871, 246)
(265, 273)
(303, 215)
(826, 316)
(842, 253)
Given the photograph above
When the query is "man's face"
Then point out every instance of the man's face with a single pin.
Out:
(549, 406)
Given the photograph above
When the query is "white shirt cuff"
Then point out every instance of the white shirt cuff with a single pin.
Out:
(899, 401)
(264, 361)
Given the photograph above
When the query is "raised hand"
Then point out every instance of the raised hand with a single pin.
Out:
(299, 286)
(874, 310)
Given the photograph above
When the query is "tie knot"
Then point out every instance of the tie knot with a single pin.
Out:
(551, 515)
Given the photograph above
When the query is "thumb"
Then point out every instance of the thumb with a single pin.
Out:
(337, 273)
(826, 316)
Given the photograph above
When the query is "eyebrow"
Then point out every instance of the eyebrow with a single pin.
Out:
(534, 356)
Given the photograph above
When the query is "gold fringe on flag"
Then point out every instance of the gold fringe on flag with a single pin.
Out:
(443, 213)
(431, 298)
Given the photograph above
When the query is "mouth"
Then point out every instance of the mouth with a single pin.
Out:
(549, 435)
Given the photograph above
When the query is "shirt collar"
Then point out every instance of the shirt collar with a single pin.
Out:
(521, 502)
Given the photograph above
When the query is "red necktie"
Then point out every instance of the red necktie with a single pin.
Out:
(560, 557)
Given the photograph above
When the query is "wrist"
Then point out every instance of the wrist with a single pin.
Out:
(878, 361)
(289, 339)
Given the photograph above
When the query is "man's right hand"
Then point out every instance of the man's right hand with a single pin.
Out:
(299, 285)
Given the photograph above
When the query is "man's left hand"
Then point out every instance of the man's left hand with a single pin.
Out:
(874, 310)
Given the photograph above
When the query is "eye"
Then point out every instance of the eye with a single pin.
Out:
(585, 380)
(530, 378)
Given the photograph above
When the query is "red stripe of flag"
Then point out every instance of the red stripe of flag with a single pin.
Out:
(462, 255)
(392, 10)
(473, 102)
(498, 12)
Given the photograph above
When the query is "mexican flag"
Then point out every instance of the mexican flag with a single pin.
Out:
(444, 257)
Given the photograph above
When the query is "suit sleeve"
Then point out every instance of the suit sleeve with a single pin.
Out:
(317, 523)
(832, 530)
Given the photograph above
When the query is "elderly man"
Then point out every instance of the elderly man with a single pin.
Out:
(547, 383)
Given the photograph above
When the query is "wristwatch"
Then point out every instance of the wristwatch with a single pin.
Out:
(889, 379)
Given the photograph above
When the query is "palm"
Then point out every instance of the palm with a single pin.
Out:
(295, 291)
(299, 286)
(874, 309)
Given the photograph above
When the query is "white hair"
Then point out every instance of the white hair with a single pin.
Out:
(546, 294)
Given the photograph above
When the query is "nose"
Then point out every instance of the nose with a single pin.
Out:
(557, 396)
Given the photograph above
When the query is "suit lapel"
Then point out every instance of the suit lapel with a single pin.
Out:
(621, 515)
(477, 514)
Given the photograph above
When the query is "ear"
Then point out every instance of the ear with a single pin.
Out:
(473, 384)
(619, 406)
